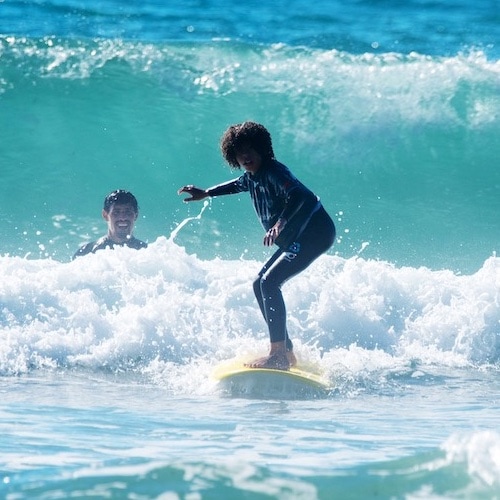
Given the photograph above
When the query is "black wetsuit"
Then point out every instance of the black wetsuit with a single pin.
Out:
(106, 242)
(309, 231)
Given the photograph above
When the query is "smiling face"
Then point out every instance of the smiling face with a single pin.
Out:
(248, 159)
(121, 219)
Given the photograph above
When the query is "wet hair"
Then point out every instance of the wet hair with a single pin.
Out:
(246, 134)
(123, 198)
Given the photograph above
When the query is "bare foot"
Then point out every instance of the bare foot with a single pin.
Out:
(292, 360)
(274, 361)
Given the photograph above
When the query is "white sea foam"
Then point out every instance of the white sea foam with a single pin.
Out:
(162, 310)
(480, 452)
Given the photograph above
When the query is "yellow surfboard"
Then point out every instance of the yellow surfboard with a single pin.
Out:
(236, 379)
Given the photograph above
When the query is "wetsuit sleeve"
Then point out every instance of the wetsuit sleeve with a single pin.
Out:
(300, 203)
(231, 187)
(297, 213)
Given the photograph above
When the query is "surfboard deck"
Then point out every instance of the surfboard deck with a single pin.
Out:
(236, 379)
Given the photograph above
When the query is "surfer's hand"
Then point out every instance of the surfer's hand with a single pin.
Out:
(274, 232)
(196, 193)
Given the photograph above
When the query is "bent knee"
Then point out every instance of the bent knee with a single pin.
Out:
(256, 285)
(268, 285)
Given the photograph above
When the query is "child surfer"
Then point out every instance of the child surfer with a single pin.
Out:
(292, 216)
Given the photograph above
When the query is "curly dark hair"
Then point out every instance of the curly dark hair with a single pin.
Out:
(250, 134)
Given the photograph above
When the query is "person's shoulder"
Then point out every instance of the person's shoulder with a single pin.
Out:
(93, 246)
(277, 166)
(279, 173)
(85, 249)
(102, 243)
(274, 168)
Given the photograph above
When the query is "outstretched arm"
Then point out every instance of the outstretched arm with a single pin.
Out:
(230, 187)
(195, 193)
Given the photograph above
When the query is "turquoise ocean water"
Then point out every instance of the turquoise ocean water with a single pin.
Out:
(389, 111)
